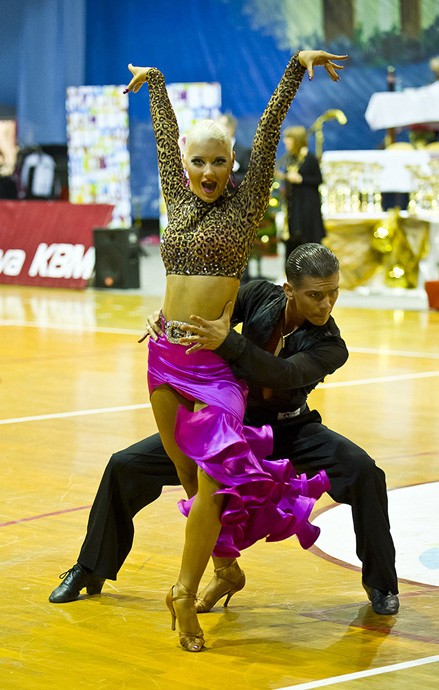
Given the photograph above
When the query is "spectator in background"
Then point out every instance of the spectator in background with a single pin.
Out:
(242, 153)
(8, 187)
(299, 170)
(37, 175)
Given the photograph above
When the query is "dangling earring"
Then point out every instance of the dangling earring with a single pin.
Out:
(232, 180)
(185, 179)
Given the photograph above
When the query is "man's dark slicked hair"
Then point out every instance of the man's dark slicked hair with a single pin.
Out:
(311, 260)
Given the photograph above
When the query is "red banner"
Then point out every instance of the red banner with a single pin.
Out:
(49, 243)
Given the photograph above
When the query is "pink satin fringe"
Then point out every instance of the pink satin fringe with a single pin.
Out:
(264, 499)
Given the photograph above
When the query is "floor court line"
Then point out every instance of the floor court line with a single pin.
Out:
(324, 682)
(43, 515)
(76, 413)
(380, 379)
(72, 327)
(125, 408)
(397, 353)
(30, 518)
(128, 331)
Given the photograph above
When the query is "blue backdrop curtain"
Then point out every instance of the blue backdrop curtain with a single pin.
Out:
(42, 51)
(47, 45)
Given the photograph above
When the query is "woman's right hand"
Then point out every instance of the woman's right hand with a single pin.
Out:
(152, 327)
(139, 78)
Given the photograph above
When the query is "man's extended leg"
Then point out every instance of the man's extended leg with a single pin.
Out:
(133, 478)
(355, 480)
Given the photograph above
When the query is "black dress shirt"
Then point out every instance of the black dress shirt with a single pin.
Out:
(310, 352)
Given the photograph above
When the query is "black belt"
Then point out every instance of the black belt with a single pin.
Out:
(266, 416)
(289, 414)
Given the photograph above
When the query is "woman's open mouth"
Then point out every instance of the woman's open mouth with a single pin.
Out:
(209, 187)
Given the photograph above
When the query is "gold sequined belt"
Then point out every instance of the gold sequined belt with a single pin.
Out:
(174, 330)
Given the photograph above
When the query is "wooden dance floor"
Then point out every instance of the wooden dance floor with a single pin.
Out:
(73, 390)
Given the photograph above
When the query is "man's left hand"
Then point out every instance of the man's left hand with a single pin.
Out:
(207, 335)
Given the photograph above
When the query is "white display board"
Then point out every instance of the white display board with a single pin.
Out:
(98, 156)
(404, 108)
(394, 175)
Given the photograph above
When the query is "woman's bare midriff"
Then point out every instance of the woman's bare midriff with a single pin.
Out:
(204, 296)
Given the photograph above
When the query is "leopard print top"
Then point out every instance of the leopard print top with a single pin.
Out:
(216, 239)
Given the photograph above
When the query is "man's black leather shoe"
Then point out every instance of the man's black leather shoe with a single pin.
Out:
(384, 603)
(73, 581)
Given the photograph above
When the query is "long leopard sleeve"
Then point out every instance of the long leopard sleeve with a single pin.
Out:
(166, 133)
(257, 182)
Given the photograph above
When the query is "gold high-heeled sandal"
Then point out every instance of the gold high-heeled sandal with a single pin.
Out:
(226, 581)
(191, 642)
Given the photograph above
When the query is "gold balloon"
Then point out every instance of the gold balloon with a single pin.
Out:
(382, 237)
(396, 277)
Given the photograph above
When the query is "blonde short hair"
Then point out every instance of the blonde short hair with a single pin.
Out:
(298, 134)
(207, 129)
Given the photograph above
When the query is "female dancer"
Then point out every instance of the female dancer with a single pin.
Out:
(300, 171)
(235, 497)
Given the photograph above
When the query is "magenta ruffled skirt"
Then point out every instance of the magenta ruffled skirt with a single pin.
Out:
(264, 499)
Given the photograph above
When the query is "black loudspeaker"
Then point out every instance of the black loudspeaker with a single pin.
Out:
(117, 258)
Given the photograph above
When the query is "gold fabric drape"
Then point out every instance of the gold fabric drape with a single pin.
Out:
(392, 246)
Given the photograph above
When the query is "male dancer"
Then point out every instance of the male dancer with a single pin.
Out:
(289, 343)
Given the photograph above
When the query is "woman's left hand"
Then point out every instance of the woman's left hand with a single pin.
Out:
(313, 58)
